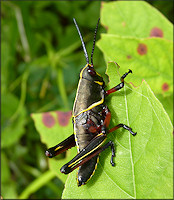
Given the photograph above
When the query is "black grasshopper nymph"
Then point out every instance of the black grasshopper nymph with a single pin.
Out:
(91, 118)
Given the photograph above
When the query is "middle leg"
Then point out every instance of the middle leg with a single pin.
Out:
(123, 126)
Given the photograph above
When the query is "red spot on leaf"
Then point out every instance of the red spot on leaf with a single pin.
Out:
(48, 120)
(102, 3)
(142, 49)
(165, 87)
(106, 27)
(156, 32)
(129, 57)
(63, 117)
(123, 24)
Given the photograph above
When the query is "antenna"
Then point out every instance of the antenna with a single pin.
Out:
(94, 42)
(83, 44)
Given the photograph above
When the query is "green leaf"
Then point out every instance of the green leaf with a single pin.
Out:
(167, 102)
(5, 171)
(149, 59)
(12, 130)
(53, 128)
(8, 186)
(135, 18)
(144, 162)
(140, 37)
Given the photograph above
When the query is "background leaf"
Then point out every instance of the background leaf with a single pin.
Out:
(136, 19)
(149, 59)
(12, 130)
(53, 132)
(140, 37)
(8, 186)
(143, 162)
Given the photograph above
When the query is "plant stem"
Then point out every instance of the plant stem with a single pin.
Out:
(37, 184)
(61, 86)
(23, 95)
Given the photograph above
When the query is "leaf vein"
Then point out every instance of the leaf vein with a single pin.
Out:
(131, 158)
(115, 182)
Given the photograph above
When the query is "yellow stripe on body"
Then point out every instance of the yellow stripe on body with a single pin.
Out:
(77, 175)
(84, 69)
(86, 154)
(58, 148)
(98, 74)
(99, 134)
(74, 119)
(79, 84)
(98, 82)
(77, 145)
(91, 106)
(94, 170)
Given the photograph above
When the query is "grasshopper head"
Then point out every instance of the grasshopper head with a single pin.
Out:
(88, 72)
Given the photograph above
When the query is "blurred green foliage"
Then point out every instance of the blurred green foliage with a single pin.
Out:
(41, 57)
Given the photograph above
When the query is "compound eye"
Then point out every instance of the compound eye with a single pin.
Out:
(92, 72)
